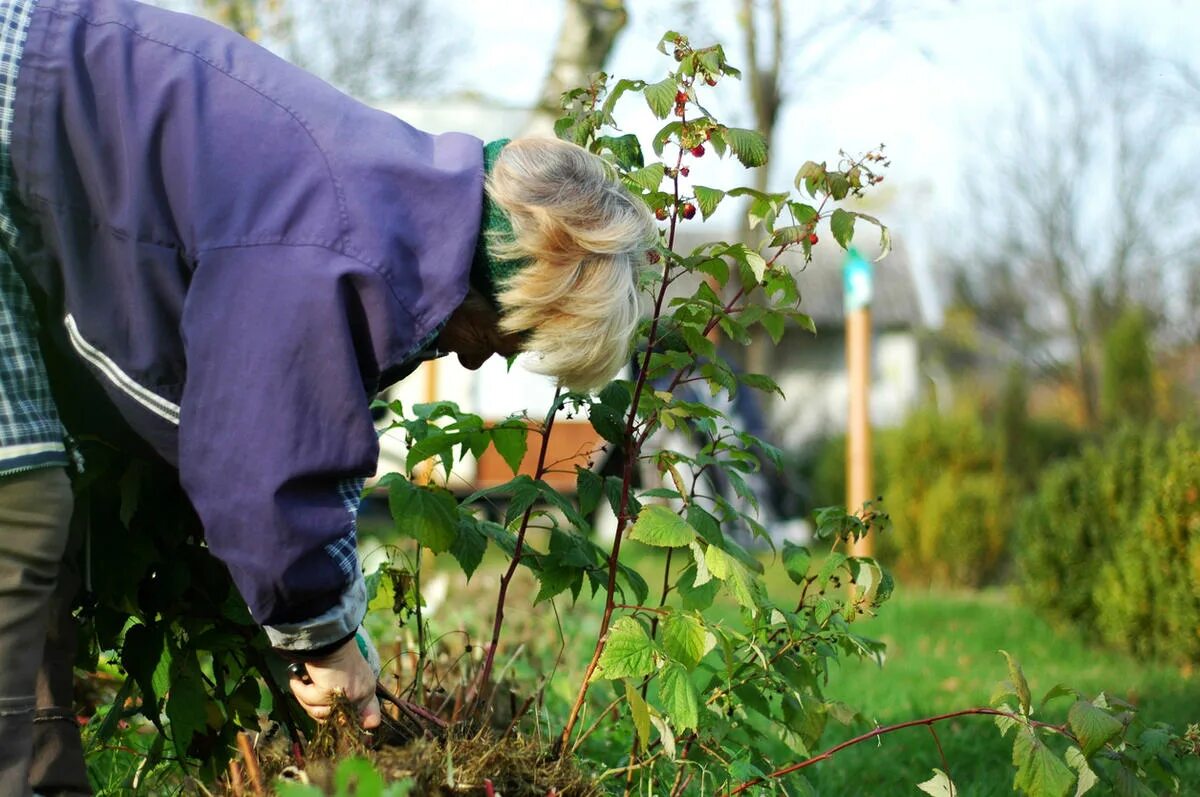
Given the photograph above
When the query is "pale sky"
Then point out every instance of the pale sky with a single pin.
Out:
(926, 86)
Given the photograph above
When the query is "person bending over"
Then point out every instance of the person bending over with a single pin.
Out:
(221, 259)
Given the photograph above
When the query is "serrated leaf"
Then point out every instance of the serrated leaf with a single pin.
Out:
(750, 146)
(1093, 726)
(648, 178)
(796, 561)
(657, 525)
(733, 573)
(839, 186)
(1006, 722)
(427, 514)
(660, 96)
(381, 590)
(938, 786)
(626, 150)
(842, 224)
(589, 488)
(664, 135)
(703, 576)
(511, 443)
(1020, 685)
(679, 698)
(640, 712)
(1087, 778)
(757, 264)
(1057, 691)
(685, 639)
(555, 579)
(1126, 783)
(186, 702)
(628, 652)
(1040, 772)
(697, 597)
(708, 199)
(809, 171)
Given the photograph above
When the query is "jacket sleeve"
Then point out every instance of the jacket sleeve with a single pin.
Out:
(285, 345)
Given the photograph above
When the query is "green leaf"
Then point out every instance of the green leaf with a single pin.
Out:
(750, 146)
(663, 136)
(1019, 683)
(608, 423)
(140, 654)
(685, 638)
(381, 590)
(839, 186)
(939, 785)
(359, 773)
(187, 701)
(511, 442)
(761, 382)
(657, 525)
(842, 224)
(660, 96)
(590, 488)
(679, 697)
(707, 199)
(640, 712)
(628, 652)
(554, 579)
(626, 150)
(469, 546)
(1057, 691)
(649, 178)
(1127, 784)
(697, 596)
(1093, 726)
(1040, 773)
(757, 264)
(733, 573)
(427, 514)
(809, 171)
(1005, 722)
(1077, 761)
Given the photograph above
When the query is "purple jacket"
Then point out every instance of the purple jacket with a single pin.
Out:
(236, 257)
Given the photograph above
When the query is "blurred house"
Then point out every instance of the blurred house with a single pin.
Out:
(811, 369)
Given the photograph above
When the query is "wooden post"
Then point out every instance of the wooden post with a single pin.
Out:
(857, 284)
(858, 432)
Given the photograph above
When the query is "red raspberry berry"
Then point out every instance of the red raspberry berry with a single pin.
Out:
(812, 239)
(688, 210)
(681, 97)
(661, 214)
(710, 80)
(685, 171)
(698, 150)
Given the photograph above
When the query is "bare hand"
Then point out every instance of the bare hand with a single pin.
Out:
(345, 672)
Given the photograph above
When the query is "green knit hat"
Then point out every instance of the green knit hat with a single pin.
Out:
(489, 273)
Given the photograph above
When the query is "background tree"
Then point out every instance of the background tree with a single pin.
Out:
(1082, 206)
(586, 39)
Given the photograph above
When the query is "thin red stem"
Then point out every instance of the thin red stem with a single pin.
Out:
(928, 721)
(518, 550)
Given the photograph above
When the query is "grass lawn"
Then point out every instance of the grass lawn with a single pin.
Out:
(942, 657)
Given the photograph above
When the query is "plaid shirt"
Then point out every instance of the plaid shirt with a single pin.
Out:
(31, 435)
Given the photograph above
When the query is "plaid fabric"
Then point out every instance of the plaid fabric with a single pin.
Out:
(30, 432)
(344, 551)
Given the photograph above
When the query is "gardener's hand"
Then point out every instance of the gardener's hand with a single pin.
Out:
(344, 671)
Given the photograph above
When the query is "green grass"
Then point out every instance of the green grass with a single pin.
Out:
(942, 656)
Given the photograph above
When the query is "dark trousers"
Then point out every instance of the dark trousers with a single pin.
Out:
(35, 512)
(58, 765)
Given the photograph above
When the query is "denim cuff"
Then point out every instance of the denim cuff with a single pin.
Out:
(337, 624)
